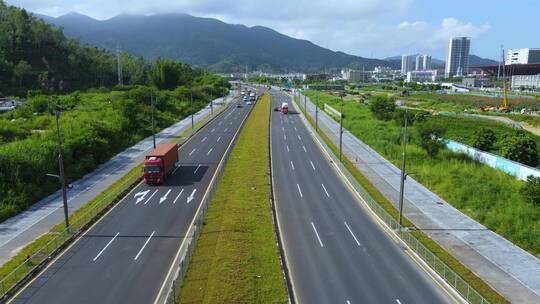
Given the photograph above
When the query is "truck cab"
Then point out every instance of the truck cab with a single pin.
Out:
(284, 108)
(153, 173)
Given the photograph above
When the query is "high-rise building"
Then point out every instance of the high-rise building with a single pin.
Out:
(457, 61)
(423, 63)
(407, 64)
(522, 56)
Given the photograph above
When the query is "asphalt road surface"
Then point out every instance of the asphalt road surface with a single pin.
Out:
(125, 257)
(336, 253)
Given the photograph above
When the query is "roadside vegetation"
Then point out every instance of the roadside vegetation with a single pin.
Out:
(236, 259)
(487, 195)
(480, 286)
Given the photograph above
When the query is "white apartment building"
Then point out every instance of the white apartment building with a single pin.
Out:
(522, 56)
(457, 60)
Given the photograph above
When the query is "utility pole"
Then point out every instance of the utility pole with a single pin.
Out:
(305, 104)
(317, 114)
(403, 174)
(153, 119)
(191, 105)
(211, 102)
(340, 126)
(119, 64)
(61, 177)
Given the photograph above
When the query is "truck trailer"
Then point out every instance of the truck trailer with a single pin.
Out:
(160, 162)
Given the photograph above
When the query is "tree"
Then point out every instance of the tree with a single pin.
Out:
(382, 107)
(20, 70)
(430, 135)
(519, 146)
(531, 190)
(484, 139)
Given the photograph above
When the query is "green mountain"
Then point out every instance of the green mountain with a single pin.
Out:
(208, 43)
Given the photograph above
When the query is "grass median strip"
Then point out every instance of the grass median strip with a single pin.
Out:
(480, 286)
(236, 259)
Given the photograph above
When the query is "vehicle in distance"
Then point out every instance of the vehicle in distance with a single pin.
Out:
(249, 103)
(160, 162)
(277, 109)
(284, 108)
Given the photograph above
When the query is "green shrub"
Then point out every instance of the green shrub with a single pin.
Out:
(519, 146)
(484, 139)
(382, 107)
(531, 190)
(430, 136)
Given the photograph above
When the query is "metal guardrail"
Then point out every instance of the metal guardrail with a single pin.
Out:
(38, 260)
(174, 286)
(444, 271)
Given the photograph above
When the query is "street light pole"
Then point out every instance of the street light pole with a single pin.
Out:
(61, 177)
(403, 174)
(211, 102)
(340, 126)
(153, 120)
(191, 102)
(317, 114)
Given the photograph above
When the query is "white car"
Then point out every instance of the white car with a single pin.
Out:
(249, 103)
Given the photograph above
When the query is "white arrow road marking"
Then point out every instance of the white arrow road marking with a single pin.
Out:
(178, 196)
(145, 243)
(164, 198)
(196, 169)
(150, 197)
(102, 250)
(191, 196)
(140, 196)
(192, 151)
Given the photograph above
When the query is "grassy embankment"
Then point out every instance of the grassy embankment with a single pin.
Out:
(454, 163)
(236, 259)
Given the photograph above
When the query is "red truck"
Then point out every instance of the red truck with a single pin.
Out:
(159, 162)
(284, 108)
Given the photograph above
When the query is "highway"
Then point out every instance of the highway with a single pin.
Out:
(335, 252)
(125, 257)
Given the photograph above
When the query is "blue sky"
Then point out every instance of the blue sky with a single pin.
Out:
(377, 28)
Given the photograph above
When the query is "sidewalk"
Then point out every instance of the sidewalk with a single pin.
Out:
(20, 230)
(513, 272)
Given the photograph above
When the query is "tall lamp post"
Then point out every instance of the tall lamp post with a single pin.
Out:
(317, 114)
(403, 168)
(61, 177)
(191, 105)
(211, 102)
(340, 125)
(153, 119)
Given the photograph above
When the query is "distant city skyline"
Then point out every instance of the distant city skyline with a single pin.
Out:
(358, 27)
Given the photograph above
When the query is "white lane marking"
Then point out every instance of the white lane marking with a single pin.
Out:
(102, 250)
(140, 196)
(191, 196)
(145, 243)
(225, 129)
(299, 138)
(312, 165)
(283, 129)
(348, 302)
(299, 191)
(295, 128)
(292, 165)
(174, 171)
(203, 139)
(304, 147)
(164, 198)
(397, 300)
(230, 123)
(325, 190)
(288, 148)
(150, 197)
(178, 196)
(284, 137)
(192, 151)
(213, 130)
(220, 123)
(317, 234)
(197, 169)
(218, 139)
(210, 151)
(354, 236)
